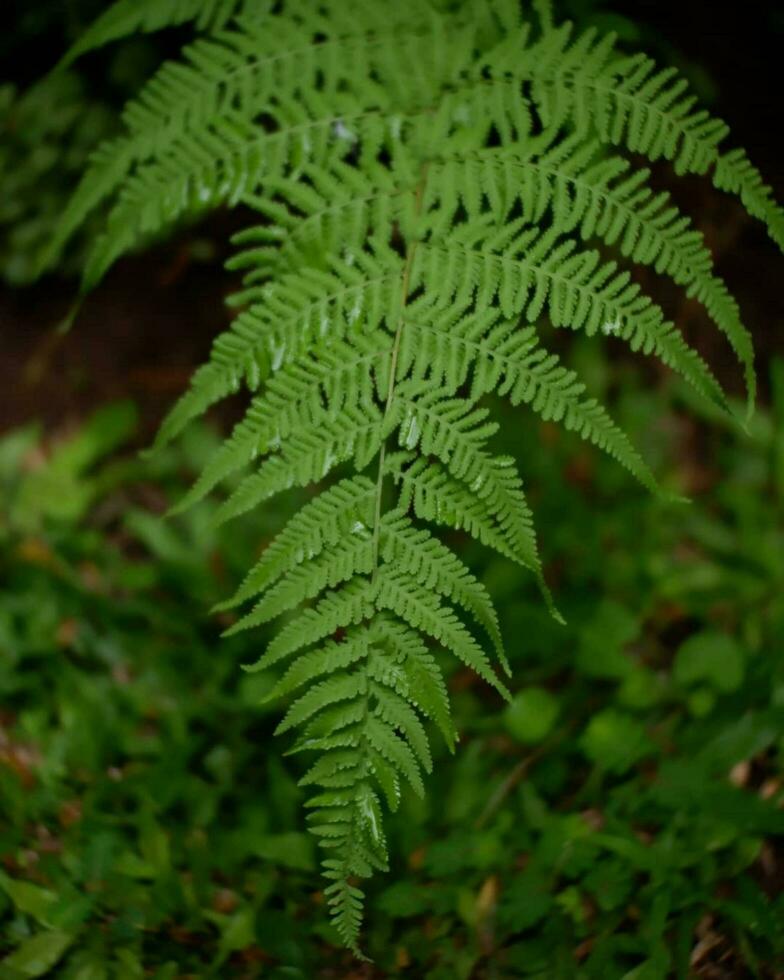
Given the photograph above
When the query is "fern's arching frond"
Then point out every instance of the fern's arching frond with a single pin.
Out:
(420, 609)
(309, 456)
(425, 559)
(337, 610)
(736, 174)
(415, 669)
(451, 431)
(127, 17)
(429, 183)
(438, 497)
(602, 197)
(320, 524)
(194, 135)
(293, 399)
(500, 357)
(320, 661)
(282, 321)
(529, 273)
(348, 559)
(628, 102)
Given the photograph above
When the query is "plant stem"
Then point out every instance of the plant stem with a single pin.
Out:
(410, 255)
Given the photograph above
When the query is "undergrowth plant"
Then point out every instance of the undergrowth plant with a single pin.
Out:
(428, 186)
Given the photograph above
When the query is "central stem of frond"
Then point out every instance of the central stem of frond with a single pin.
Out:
(411, 248)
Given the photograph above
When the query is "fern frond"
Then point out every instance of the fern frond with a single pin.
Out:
(319, 525)
(428, 184)
(416, 553)
(629, 102)
(436, 496)
(348, 606)
(529, 271)
(323, 660)
(308, 456)
(420, 609)
(338, 687)
(341, 564)
(271, 67)
(341, 376)
(128, 17)
(625, 100)
(422, 675)
(736, 174)
(397, 752)
(282, 321)
(595, 195)
(346, 904)
(395, 711)
(450, 430)
(502, 358)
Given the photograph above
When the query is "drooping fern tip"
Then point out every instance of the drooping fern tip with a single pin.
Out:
(427, 188)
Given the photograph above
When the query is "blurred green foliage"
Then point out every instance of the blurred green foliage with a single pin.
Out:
(48, 129)
(622, 818)
(48, 134)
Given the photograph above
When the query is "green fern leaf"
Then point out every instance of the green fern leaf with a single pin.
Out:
(416, 553)
(129, 17)
(321, 524)
(322, 660)
(420, 609)
(353, 604)
(422, 675)
(499, 357)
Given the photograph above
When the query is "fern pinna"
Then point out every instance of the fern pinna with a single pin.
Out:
(431, 183)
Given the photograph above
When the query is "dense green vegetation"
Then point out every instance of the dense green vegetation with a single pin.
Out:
(622, 815)
(622, 818)
(430, 193)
